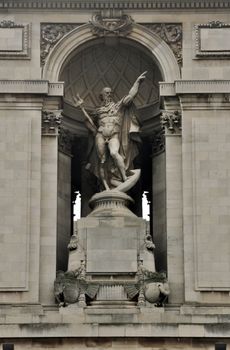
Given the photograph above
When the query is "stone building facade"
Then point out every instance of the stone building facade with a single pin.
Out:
(51, 50)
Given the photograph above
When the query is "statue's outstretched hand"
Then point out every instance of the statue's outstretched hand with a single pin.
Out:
(142, 77)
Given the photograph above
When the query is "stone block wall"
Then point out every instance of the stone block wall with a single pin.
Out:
(116, 343)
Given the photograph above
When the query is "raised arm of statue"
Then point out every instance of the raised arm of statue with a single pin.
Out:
(134, 89)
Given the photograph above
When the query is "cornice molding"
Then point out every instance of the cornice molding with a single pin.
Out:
(31, 87)
(114, 4)
(181, 87)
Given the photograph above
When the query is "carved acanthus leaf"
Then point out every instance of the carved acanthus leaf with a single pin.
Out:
(115, 26)
(171, 121)
(51, 33)
(51, 120)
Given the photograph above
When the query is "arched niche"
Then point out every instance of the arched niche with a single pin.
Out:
(159, 50)
(60, 57)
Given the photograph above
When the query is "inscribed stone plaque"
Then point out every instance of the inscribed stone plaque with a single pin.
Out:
(11, 39)
(15, 164)
(111, 250)
(211, 173)
(215, 39)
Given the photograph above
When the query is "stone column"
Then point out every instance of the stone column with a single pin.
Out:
(171, 120)
(51, 120)
(64, 218)
(159, 200)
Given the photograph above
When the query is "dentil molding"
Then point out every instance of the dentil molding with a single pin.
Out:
(114, 4)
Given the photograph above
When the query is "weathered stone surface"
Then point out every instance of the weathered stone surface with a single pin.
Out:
(195, 222)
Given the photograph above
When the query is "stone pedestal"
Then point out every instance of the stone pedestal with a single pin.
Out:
(111, 259)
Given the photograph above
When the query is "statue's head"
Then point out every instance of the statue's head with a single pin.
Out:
(106, 94)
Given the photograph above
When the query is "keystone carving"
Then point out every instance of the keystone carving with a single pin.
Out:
(171, 33)
(105, 26)
(51, 121)
(171, 121)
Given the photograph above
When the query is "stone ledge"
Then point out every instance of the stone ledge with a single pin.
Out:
(31, 87)
(195, 87)
(32, 321)
(49, 330)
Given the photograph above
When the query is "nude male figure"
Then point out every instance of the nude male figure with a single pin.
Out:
(108, 126)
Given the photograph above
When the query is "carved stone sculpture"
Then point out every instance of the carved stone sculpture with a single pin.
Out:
(71, 287)
(105, 26)
(150, 287)
(171, 120)
(171, 33)
(51, 33)
(114, 134)
(51, 121)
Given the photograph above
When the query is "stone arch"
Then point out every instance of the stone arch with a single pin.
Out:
(160, 51)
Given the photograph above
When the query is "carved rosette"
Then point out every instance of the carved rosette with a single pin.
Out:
(51, 33)
(171, 33)
(111, 26)
(171, 122)
(51, 121)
